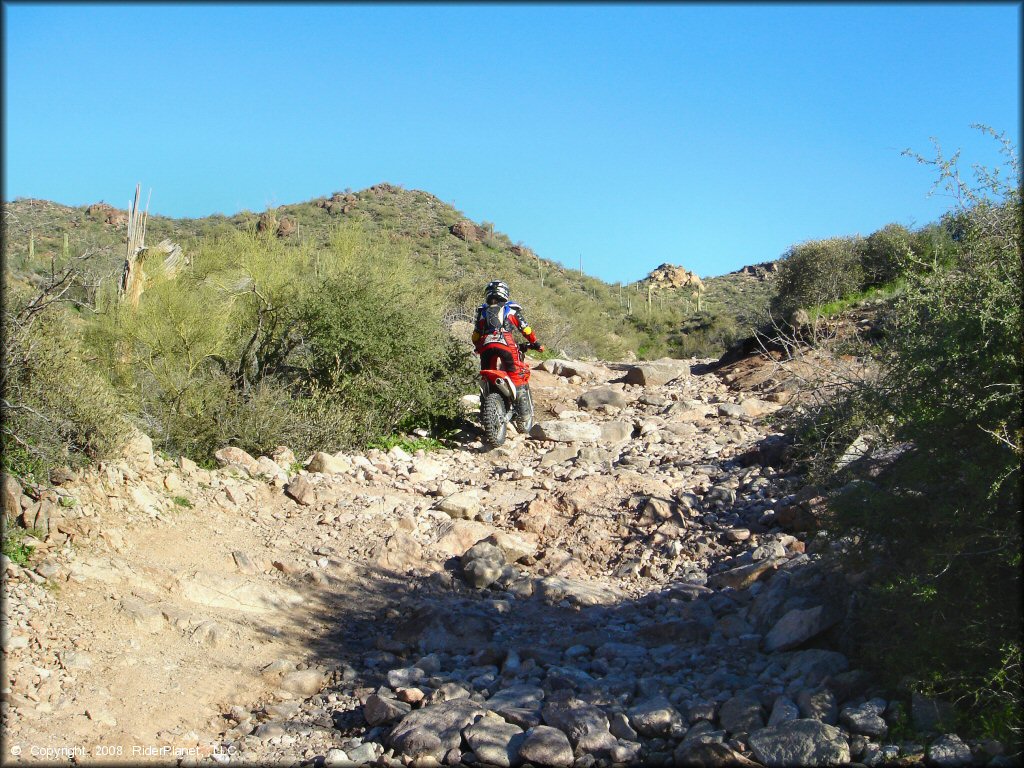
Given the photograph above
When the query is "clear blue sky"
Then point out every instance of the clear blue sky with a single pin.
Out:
(708, 136)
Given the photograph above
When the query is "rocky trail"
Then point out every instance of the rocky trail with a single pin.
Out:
(627, 585)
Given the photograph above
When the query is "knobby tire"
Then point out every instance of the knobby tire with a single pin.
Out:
(492, 418)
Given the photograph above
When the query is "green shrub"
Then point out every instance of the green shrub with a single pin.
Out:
(380, 349)
(15, 547)
(57, 408)
(262, 343)
(886, 254)
(406, 443)
(940, 530)
(817, 272)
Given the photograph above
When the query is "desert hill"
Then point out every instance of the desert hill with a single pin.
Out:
(443, 244)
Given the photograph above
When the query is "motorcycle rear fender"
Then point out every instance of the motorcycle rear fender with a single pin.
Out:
(498, 382)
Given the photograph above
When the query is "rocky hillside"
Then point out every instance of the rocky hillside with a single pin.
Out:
(636, 582)
(442, 242)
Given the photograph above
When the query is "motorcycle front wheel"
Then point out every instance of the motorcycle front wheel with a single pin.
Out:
(492, 418)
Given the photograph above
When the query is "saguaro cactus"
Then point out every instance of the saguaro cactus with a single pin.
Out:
(132, 278)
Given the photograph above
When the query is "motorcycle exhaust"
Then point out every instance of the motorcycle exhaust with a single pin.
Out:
(506, 388)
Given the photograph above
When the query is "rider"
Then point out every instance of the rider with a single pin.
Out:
(492, 334)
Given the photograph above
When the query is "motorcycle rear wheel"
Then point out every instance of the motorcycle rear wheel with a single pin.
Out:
(492, 418)
(524, 410)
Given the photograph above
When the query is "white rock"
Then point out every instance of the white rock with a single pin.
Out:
(462, 505)
(566, 431)
(327, 464)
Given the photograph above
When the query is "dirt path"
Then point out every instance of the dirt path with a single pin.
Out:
(188, 609)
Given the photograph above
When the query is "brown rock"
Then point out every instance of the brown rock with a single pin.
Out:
(283, 456)
(11, 495)
(465, 230)
(232, 456)
(670, 276)
(138, 450)
(410, 695)
(458, 536)
(743, 576)
(267, 222)
(537, 517)
(301, 491)
(287, 226)
(400, 552)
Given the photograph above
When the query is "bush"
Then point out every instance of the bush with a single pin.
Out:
(57, 408)
(262, 343)
(381, 352)
(817, 272)
(886, 254)
(940, 530)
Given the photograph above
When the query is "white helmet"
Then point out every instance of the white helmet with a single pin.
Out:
(497, 289)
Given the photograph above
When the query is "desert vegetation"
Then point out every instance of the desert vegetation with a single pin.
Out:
(325, 323)
(924, 457)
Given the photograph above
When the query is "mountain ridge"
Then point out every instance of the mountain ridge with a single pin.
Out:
(587, 316)
(102, 208)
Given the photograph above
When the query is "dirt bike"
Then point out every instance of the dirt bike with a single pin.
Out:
(504, 397)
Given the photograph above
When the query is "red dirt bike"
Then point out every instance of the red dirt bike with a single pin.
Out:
(504, 397)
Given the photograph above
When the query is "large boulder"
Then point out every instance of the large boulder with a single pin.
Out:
(495, 742)
(594, 398)
(301, 491)
(434, 729)
(799, 742)
(561, 431)
(672, 276)
(613, 432)
(138, 450)
(546, 746)
(304, 682)
(288, 225)
(482, 564)
(949, 751)
(465, 230)
(515, 546)
(798, 626)
(381, 709)
(656, 718)
(233, 456)
(586, 725)
(656, 372)
(456, 537)
(328, 464)
(865, 718)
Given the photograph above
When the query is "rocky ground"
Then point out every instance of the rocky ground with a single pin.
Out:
(630, 584)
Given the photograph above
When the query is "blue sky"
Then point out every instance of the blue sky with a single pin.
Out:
(711, 136)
